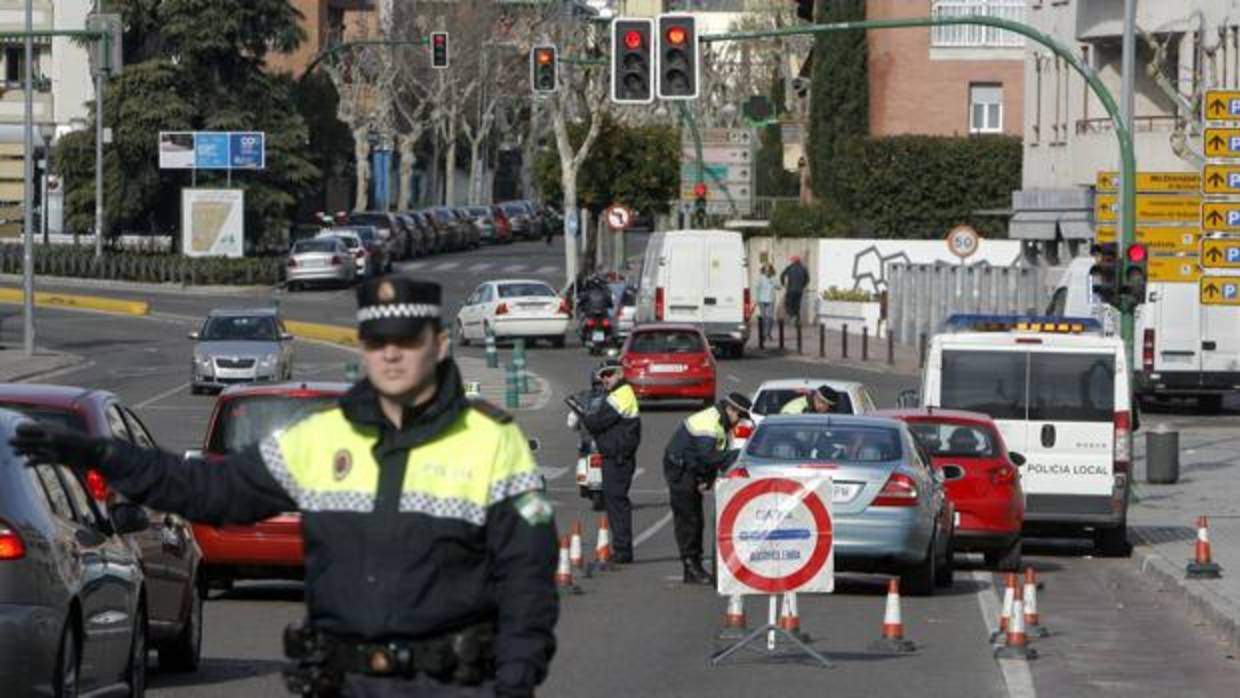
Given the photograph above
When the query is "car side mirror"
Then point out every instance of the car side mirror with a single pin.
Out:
(193, 335)
(1017, 459)
(535, 444)
(286, 337)
(128, 517)
(939, 477)
(193, 454)
(908, 398)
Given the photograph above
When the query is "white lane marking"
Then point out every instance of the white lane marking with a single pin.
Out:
(1016, 674)
(549, 269)
(733, 378)
(161, 396)
(413, 266)
(514, 268)
(481, 267)
(654, 528)
(550, 472)
(445, 266)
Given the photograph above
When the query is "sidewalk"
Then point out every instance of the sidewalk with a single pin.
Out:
(16, 367)
(1161, 520)
(906, 358)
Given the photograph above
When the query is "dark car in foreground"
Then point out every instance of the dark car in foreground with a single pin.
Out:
(169, 554)
(73, 614)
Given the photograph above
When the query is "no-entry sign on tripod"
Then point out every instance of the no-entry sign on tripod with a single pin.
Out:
(774, 538)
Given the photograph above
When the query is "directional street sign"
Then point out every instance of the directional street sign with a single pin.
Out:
(1221, 215)
(1153, 182)
(720, 154)
(740, 193)
(1220, 179)
(1173, 268)
(1220, 254)
(1151, 208)
(1222, 142)
(721, 136)
(712, 173)
(1221, 105)
(1219, 290)
(1159, 238)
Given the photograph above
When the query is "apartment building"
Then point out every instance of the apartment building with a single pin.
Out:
(324, 22)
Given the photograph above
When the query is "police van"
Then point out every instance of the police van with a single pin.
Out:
(1058, 389)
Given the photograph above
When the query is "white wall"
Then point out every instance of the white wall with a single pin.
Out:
(859, 264)
(72, 86)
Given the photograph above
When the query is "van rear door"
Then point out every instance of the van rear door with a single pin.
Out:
(1176, 322)
(723, 298)
(1071, 436)
(685, 276)
(1220, 338)
(993, 381)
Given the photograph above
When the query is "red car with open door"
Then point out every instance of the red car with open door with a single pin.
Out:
(981, 477)
(669, 361)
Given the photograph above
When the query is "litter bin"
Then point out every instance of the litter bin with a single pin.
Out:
(1162, 456)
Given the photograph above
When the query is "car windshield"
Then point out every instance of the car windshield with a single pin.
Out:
(479, 211)
(317, 245)
(772, 400)
(350, 241)
(667, 342)
(827, 443)
(518, 290)
(511, 209)
(240, 327)
(956, 440)
(246, 420)
(59, 416)
(367, 235)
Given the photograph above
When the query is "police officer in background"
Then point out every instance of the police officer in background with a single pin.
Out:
(429, 545)
(820, 401)
(696, 454)
(617, 430)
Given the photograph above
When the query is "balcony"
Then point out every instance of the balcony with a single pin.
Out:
(976, 36)
(1140, 124)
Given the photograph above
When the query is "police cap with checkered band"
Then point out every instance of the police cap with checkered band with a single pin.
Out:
(396, 307)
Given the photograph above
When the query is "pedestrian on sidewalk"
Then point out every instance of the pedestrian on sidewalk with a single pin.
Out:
(794, 279)
(767, 288)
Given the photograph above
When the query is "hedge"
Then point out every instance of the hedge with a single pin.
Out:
(149, 268)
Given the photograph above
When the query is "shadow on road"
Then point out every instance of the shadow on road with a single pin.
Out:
(216, 670)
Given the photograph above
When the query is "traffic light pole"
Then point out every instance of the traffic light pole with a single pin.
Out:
(1128, 166)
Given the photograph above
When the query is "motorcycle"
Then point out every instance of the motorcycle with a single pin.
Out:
(596, 332)
(589, 470)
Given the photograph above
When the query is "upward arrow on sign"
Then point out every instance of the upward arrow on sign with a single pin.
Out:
(1210, 290)
(1214, 218)
(1213, 255)
(1216, 179)
(1217, 143)
(1218, 108)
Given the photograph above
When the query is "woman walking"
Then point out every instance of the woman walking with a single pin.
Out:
(767, 287)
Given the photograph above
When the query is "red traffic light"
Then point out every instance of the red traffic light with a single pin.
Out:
(699, 190)
(543, 57)
(676, 36)
(439, 39)
(633, 40)
(1136, 253)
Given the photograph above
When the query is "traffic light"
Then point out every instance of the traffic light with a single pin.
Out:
(1105, 272)
(439, 50)
(699, 203)
(678, 57)
(544, 69)
(632, 60)
(1132, 289)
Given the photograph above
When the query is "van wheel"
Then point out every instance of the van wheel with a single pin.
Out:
(557, 342)
(65, 680)
(1005, 560)
(1210, 404)
(1112, 542)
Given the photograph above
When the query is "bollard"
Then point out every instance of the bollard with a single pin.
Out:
(865, 342)
(891, 347)
(822, 341)
(518, 360)
(1162, 456)
(761, 332)
(492, 351)
(921, 350)
(844, 341)
(512, 395)
(781, 335)
(799, 338)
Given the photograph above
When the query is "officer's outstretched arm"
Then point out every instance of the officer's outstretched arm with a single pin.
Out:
(710, 459)
(237, 490)
(521, 540)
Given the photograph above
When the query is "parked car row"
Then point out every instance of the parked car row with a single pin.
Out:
(410, 234)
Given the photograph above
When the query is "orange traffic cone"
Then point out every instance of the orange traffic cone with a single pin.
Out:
(1016, 645)
(564, 571)
(602, 549)
(1005, 614)
(575, 557)
(790, 619)
(892, 639)
(734, 626)
(1201, 566)
(1033, 623)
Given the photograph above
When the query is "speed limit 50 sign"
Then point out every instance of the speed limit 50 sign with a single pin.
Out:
(774, 535)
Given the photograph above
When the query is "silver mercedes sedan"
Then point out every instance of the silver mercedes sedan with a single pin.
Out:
(244, 345)
(889, 511)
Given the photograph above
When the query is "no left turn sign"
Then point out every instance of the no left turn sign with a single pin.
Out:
(618, 216)
(775, 535)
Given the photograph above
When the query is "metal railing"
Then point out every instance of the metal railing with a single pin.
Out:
(1140, 124)
(977, 36)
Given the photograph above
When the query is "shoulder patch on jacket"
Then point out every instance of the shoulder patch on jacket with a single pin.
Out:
(491, 410)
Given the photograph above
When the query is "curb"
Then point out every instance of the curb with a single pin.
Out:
(64, 363)
(167, 288)
(76, 302)
(335, 334)
(878, 365)
(1212, 607)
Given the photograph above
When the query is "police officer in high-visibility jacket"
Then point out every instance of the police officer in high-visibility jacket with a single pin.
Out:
(697, 453)
(617, 430)
(820, 401)
(430, 548)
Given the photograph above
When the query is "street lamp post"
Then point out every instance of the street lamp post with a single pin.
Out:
(47, 133)
(28, 189)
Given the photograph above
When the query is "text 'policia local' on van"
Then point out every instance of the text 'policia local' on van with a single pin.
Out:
(1059, 392)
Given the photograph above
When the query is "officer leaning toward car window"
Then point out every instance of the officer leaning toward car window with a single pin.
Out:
(430, 547)
(696, 454)
(820, 401)
(617, 430)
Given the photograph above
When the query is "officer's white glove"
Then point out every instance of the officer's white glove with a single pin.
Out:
(573, 420)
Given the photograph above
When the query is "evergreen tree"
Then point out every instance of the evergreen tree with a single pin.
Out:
(839, 92)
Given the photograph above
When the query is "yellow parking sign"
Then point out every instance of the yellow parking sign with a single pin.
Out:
(1173, 269)
(1159, 238)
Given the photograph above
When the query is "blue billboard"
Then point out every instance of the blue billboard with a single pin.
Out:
(212, 150)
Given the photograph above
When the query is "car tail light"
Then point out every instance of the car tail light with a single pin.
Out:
(658, 303)
(596, 460)
(589, 323)
(707, 362)
(900, 491)
(606, 323)
(11, 545)
(336, 260)
(1123, 443)
(96, 485)
(738, 472)
(743, 430)
(1003, 475)
(501, 309)
(563, 306)
(292, 262)
(359, 253)
(748, 307)
(1147, 350)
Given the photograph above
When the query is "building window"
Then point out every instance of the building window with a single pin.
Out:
(972, 35)
(14, 64)
(985, 108)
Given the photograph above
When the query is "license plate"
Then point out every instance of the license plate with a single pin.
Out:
(844, 491)
(597, 336)
(667, 368)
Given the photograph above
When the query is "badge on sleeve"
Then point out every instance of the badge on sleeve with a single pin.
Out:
(342, 463)
(534, 508)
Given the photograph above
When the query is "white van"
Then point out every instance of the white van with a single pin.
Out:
(1059, 392)
(699, 277)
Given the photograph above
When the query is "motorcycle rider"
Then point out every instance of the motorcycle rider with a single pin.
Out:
(617, 429)
(594, 301)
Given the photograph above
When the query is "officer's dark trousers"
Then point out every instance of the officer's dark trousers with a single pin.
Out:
(687, 517)
(617, 479)
(421, 686)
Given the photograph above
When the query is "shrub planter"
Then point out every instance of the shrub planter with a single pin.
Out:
(856, 314)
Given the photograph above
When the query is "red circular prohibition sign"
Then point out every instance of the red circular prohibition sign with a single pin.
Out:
(817, 558)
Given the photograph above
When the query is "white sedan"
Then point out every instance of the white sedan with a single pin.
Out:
(772, 395)
(512, 308)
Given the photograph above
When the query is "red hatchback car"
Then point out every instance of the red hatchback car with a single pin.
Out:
(669, 361)
(242, 417)
(981, 477)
